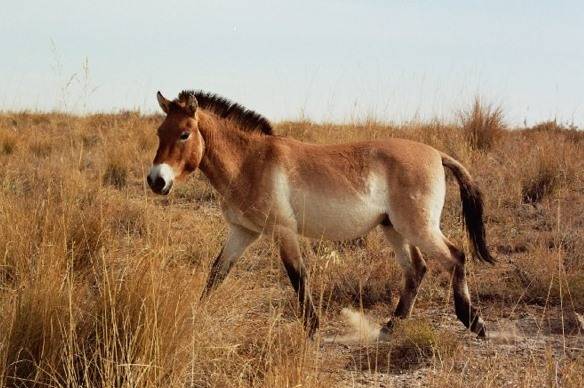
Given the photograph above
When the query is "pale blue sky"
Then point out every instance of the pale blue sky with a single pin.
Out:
(326, 60)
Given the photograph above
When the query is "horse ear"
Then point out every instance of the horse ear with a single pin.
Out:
(163, 102)
(190, 104)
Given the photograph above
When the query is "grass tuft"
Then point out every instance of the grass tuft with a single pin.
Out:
(412, 343)
(116, 172)
(541, 182)
(8, 142)
(547, 170)
(482, 125)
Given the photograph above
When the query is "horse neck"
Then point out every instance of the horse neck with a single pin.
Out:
(226, 150)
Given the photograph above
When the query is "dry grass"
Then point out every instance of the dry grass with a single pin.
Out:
(482, 125)
(8, 143)
(548, 165)
(413, 343)
(100, 280)
(116, 172)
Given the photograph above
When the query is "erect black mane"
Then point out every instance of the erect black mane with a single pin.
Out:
(222, 107)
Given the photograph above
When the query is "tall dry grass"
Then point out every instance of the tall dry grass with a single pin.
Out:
(100, 280)
(482, 124)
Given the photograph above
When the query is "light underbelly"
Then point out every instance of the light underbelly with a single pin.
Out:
(324, 214)
(336, 219)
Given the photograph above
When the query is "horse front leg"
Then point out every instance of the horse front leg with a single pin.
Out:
(292, 259)
(238, 239)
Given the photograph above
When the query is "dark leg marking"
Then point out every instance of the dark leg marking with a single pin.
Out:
(217, 274)
(465, 312)
(298, 278)
(413, 280)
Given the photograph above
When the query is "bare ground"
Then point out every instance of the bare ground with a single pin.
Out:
(516, 340)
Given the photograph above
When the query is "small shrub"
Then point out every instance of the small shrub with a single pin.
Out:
(482, 125)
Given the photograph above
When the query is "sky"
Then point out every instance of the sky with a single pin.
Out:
(321, 60)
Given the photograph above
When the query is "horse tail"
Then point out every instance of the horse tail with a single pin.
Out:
(472, 209)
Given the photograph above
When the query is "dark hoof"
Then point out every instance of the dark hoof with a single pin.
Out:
(482, 333)
(478, 327)
(386, 331)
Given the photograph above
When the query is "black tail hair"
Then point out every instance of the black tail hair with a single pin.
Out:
(472, 209)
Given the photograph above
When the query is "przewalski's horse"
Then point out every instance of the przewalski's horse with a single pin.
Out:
(283, 188)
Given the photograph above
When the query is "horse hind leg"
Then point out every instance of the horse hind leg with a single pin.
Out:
(465, 311)
(453, 260)
(410, 259)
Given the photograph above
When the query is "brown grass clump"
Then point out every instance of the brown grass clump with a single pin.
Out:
(8, 142)
(412, 343)
(482, 125)
(542, 180)
(547, 169)
(415, 341)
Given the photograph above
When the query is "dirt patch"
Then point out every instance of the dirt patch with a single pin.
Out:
(354, 360)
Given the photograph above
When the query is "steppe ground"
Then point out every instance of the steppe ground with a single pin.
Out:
(100, 279)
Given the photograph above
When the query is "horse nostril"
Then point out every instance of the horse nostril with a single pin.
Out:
(159, 183)
(149, 180)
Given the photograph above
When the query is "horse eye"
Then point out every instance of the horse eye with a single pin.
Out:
(185, 135)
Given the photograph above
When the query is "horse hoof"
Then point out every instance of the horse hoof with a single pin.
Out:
(482, 333)
(386, 331)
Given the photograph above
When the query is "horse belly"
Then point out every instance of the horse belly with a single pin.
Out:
(332, 219)
(319, 214)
